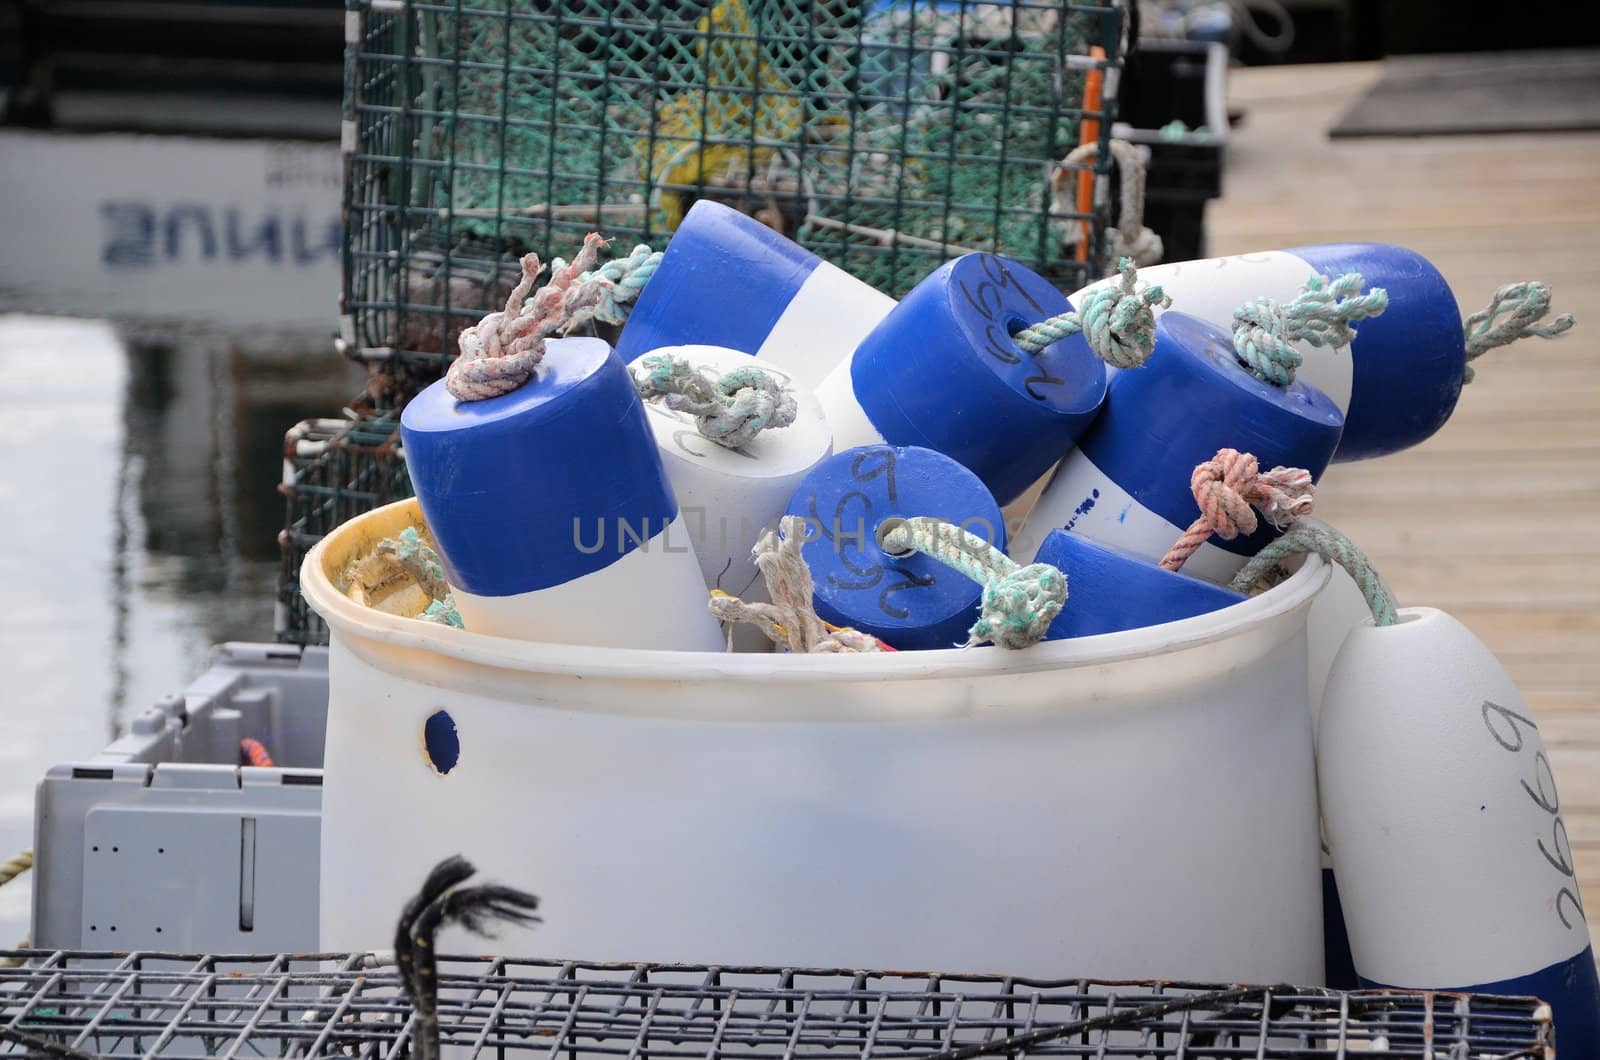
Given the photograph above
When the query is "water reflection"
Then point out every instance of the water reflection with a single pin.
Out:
(138, 526)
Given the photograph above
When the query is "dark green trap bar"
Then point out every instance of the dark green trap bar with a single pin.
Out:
(885, 135)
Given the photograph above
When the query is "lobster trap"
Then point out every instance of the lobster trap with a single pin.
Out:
(885, 135)
(333, 470)
(70, 1004)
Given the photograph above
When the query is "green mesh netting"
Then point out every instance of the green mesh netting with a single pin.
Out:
(886, 136)
(936, 121)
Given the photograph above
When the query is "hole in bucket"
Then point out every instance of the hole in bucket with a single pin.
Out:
(884, 529)
(440, 743)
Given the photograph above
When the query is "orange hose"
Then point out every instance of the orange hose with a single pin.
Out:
(1093, 95)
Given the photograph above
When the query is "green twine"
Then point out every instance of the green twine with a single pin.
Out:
(1018, 604)
(422, 563)
(730, 410)
(1524, 305)
(1321, 314)
(1117, 320)
(624, 279)
(1331, 545)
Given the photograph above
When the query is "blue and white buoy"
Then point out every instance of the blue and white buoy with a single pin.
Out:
(728, 280)
(942, 371)
(1397, 382)
(1128, 481)
(1441, 812)
(1109, 590)
(553, 517)
(911, 602)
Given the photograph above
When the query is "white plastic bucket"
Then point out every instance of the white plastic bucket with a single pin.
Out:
(1136, 804)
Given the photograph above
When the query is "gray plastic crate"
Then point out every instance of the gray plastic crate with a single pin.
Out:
(163, 841)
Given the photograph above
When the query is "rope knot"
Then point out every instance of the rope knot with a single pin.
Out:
(1524, 305)
(1230, 489)
(1018, 603)
(1264, 330)
(731, 409)
(1118, 321)
(503, 350)
(1018, 608)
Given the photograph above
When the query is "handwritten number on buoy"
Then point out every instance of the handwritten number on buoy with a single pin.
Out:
(987, 302)
(1502, 726)
(908, 580)
(884, 469)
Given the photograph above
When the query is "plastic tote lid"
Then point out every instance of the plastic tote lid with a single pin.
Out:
(1191, 398)
(550, 482)
(912, 602)
(724, 280)
(941, 371)
(1109, 590)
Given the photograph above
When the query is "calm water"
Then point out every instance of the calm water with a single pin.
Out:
(138, 526)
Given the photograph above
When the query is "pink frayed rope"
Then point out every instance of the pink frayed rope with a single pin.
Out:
(1230, 488)
(502, 351)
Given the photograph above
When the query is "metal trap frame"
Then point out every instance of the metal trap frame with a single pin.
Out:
(333, 470)
(886, 135)
(71, 1004)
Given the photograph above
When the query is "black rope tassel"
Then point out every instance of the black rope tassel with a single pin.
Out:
(443, 901)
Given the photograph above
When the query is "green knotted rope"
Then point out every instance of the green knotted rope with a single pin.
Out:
(1524, 305)
(1118, 321)
(730, 410)
(421, 562)
(1307, 537)
(1019, 603)
(1321, 314)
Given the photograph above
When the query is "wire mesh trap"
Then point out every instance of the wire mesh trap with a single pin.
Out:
(886, 135)
(351, 1005)
(333, 471)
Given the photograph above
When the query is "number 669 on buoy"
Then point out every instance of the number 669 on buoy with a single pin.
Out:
(1449, 847)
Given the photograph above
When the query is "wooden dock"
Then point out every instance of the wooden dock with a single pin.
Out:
(1497, 518)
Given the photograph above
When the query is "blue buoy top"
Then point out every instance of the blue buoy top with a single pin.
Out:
(941, 371)
(1191, 398)
(724, 280)
(1110, 590)
(1408, 364)
(543, 485)
(912, 602)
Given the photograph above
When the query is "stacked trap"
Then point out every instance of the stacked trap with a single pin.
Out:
(317, 1005)
(887, 137)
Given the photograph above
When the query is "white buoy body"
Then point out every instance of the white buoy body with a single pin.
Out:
(728, 280)
(1445, 826)
(941, 372)
(553, 516)
(1127, 483)
(726, 497)
(1397, 383)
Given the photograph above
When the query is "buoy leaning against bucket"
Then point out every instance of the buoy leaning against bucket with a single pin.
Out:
(944, 371)
(911, 602)
(726, 279)
(552, 514)
(1440, 808)
(729, 490)
(1398, 381)
(1127, 483)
